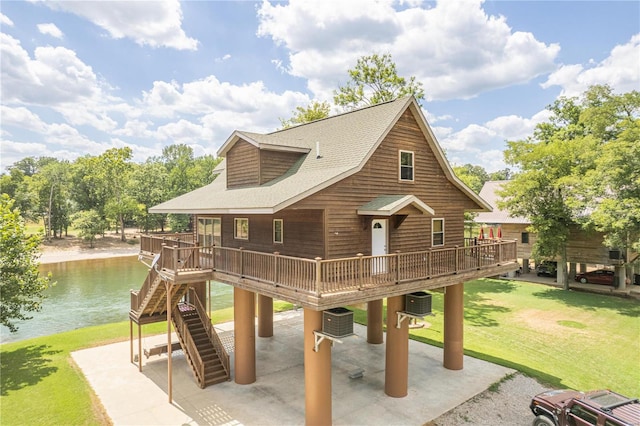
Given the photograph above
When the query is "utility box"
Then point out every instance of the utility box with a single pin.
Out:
(337, 322)
(418, 303)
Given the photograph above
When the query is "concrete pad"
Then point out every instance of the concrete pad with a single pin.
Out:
(277, 396)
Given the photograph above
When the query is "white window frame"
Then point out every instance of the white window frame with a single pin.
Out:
(235, 228)
(433, 233)
(281, 222)
(400, 166)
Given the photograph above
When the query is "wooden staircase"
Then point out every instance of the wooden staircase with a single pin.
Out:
(205, 353)
(203, 348)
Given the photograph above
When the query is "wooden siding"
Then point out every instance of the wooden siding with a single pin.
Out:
(348, 234)
(303, 232)
(513, 231)
(583, 247)
(274, 164)
(243, 165)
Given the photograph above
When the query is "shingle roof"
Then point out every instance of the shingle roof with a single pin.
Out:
(346, 141)
(489, 194)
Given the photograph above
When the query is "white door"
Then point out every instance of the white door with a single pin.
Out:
(379, 245)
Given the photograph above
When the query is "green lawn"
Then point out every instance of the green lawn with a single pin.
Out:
(566, 339)
(40, 384)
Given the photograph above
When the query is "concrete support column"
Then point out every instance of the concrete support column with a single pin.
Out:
(572, 270)
(525, 266)
(583, 268)
(265, 316)
(396, 369)
(453, 327)
(317, 372)
(244, 312)
(375, 334)
(621, 273)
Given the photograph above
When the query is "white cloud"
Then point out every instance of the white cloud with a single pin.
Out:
(50, 29)
(453, 58)
(478, 143)
(4, 20)
(152, 23)
(620, 70)
(54, 78)
(23, 118)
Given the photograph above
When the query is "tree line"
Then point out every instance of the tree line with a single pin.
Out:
(106, 191)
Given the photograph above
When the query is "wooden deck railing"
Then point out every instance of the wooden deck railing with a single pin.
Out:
(318, 276)
(153, 243)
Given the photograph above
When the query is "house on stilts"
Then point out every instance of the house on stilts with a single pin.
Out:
(346, 210)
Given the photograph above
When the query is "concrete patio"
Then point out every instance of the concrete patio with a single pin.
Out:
(277, 396)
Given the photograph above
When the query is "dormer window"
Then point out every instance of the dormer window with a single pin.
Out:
(406, 166)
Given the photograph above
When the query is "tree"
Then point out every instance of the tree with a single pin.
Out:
(472, 176)
(89, 224)
(579, 169)
(51, 185)
(374, 80)
(21, 285)
(314, 111)
(114, 169)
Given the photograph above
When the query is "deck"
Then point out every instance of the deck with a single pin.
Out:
(326, 283)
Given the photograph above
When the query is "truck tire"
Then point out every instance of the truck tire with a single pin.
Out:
(542, 420)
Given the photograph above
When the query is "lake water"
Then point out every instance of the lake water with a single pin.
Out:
(93, 292)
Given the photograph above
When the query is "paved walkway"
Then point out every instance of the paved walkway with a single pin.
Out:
(277, 396)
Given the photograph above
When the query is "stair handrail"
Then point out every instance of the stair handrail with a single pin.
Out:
(140, 295)
(211, 333)
(188, 345)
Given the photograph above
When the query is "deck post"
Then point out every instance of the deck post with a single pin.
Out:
(375, 334)
(139, 348)
(453, 327)
(130, 340)
(244, 313)
(265, 316)
(317, 372)
(169, 363)
(318, 275)
(360, 269)
(396, 371)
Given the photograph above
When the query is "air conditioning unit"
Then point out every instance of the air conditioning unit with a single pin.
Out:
(337, 322)
(616, 254)
(418, 303)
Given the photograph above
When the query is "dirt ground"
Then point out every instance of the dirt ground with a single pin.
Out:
(71, 247)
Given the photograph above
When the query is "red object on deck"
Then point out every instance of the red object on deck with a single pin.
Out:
(500, 232)
(491, 233)
(481, 236)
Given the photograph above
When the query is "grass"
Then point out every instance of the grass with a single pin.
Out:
(40, 384)
(565, 339)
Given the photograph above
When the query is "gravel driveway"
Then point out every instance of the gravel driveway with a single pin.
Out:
(509, 405)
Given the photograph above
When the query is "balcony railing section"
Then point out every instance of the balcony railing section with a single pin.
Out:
(153, 243)
(324, 276)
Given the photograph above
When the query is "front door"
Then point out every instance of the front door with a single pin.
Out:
(379, 245)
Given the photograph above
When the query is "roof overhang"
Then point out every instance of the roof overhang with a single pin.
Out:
(389, 205)
(237, 136)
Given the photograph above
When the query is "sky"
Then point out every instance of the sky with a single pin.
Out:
(81, 77)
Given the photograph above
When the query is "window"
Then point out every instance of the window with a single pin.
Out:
(406, 165)
(209, 231)
(241, 228)
(585, 414)
(278, 231)
(524, 238)
(437, 232)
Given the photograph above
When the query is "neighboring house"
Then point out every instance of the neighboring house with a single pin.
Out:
(583, 248)
(345, 210)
